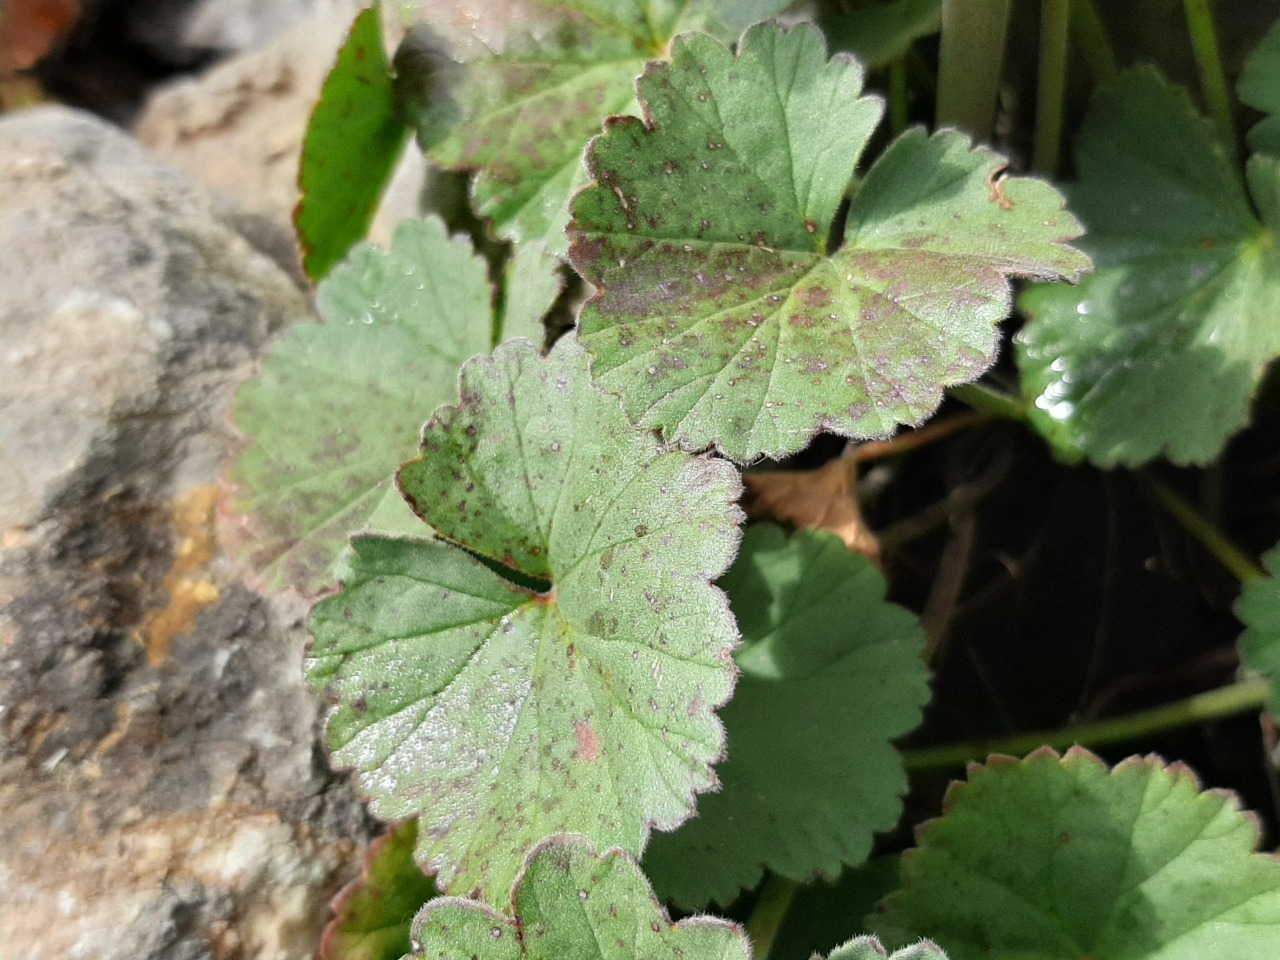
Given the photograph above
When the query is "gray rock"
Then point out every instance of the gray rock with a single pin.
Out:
(164, 792)
(238, 128)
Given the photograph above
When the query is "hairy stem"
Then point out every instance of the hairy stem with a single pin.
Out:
(1055, 16)
(969, 64)
(1239, 697)
(1213, 82)
(770, 910)
(1210, 537)
(988, 399)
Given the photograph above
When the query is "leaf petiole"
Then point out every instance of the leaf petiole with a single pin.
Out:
(1244, 695)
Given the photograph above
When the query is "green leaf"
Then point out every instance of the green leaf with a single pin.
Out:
(532, 282)
(1159, 352)
(1054, 857)
(823, 915)
(719, 316)
(353, 144)
(503, 716)
(1259, 610)
(869, 948)
(340, 404)
(1259, 87)
(570, 904)
(372, 916)
(522, 117)
(831, 674)
(879, 34)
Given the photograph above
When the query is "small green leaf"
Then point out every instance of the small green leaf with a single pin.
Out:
(823, 915)
(570, 904)
(1054, 857)
(532, 281)
(1259, 610)
(719, 316)
(503, 716)
(1159, 352)
(1259, 87)
(522, 117)
(881, 33)
(831, 674)
(351, 149)
(869, 948)
(373, 915)
(340, 404)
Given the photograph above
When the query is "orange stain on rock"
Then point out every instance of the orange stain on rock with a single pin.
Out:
(187, 582)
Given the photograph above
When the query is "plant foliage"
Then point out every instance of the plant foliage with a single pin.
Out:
(353, 144)
(1062, 857)
(722, 317)
(543, 646)
(588, 706)
(1177, 325)
(831, 674)
(569, 904)
(1259, 610)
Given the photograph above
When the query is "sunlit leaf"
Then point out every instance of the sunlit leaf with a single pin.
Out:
(869, 948)
(352, 146)
(340, 404)
(1054, 857)
(522, 117)
(1159, 352)
(720, 316)
(1259, 87)
(570, 904)
(1259, 610)
(502, 715)
(372, 916)
(831, 674)
(532, 283)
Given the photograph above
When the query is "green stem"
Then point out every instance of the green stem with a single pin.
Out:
(898, 106)
(1091, 40)
(969, 64)
(1239, 697)
(1055, 16)
(1210, 537)
(988, 399)
(767, 916)
(1213, 81)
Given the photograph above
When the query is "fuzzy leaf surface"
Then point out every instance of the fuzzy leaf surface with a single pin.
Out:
(869, 948)
(831, 675)
(1259, 87)
(351, 149)
(339, 404)
(1159, 352)
(570, 904)
(522, 117)
(719, 315)
(502, 716)
(372, 916)
(1054, 857)
(1259, 610)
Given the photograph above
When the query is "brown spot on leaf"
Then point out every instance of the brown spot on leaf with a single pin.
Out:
(995, 185)
(588, 741)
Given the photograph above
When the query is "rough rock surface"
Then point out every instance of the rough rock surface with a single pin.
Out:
(238, 128)
(163, 792)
